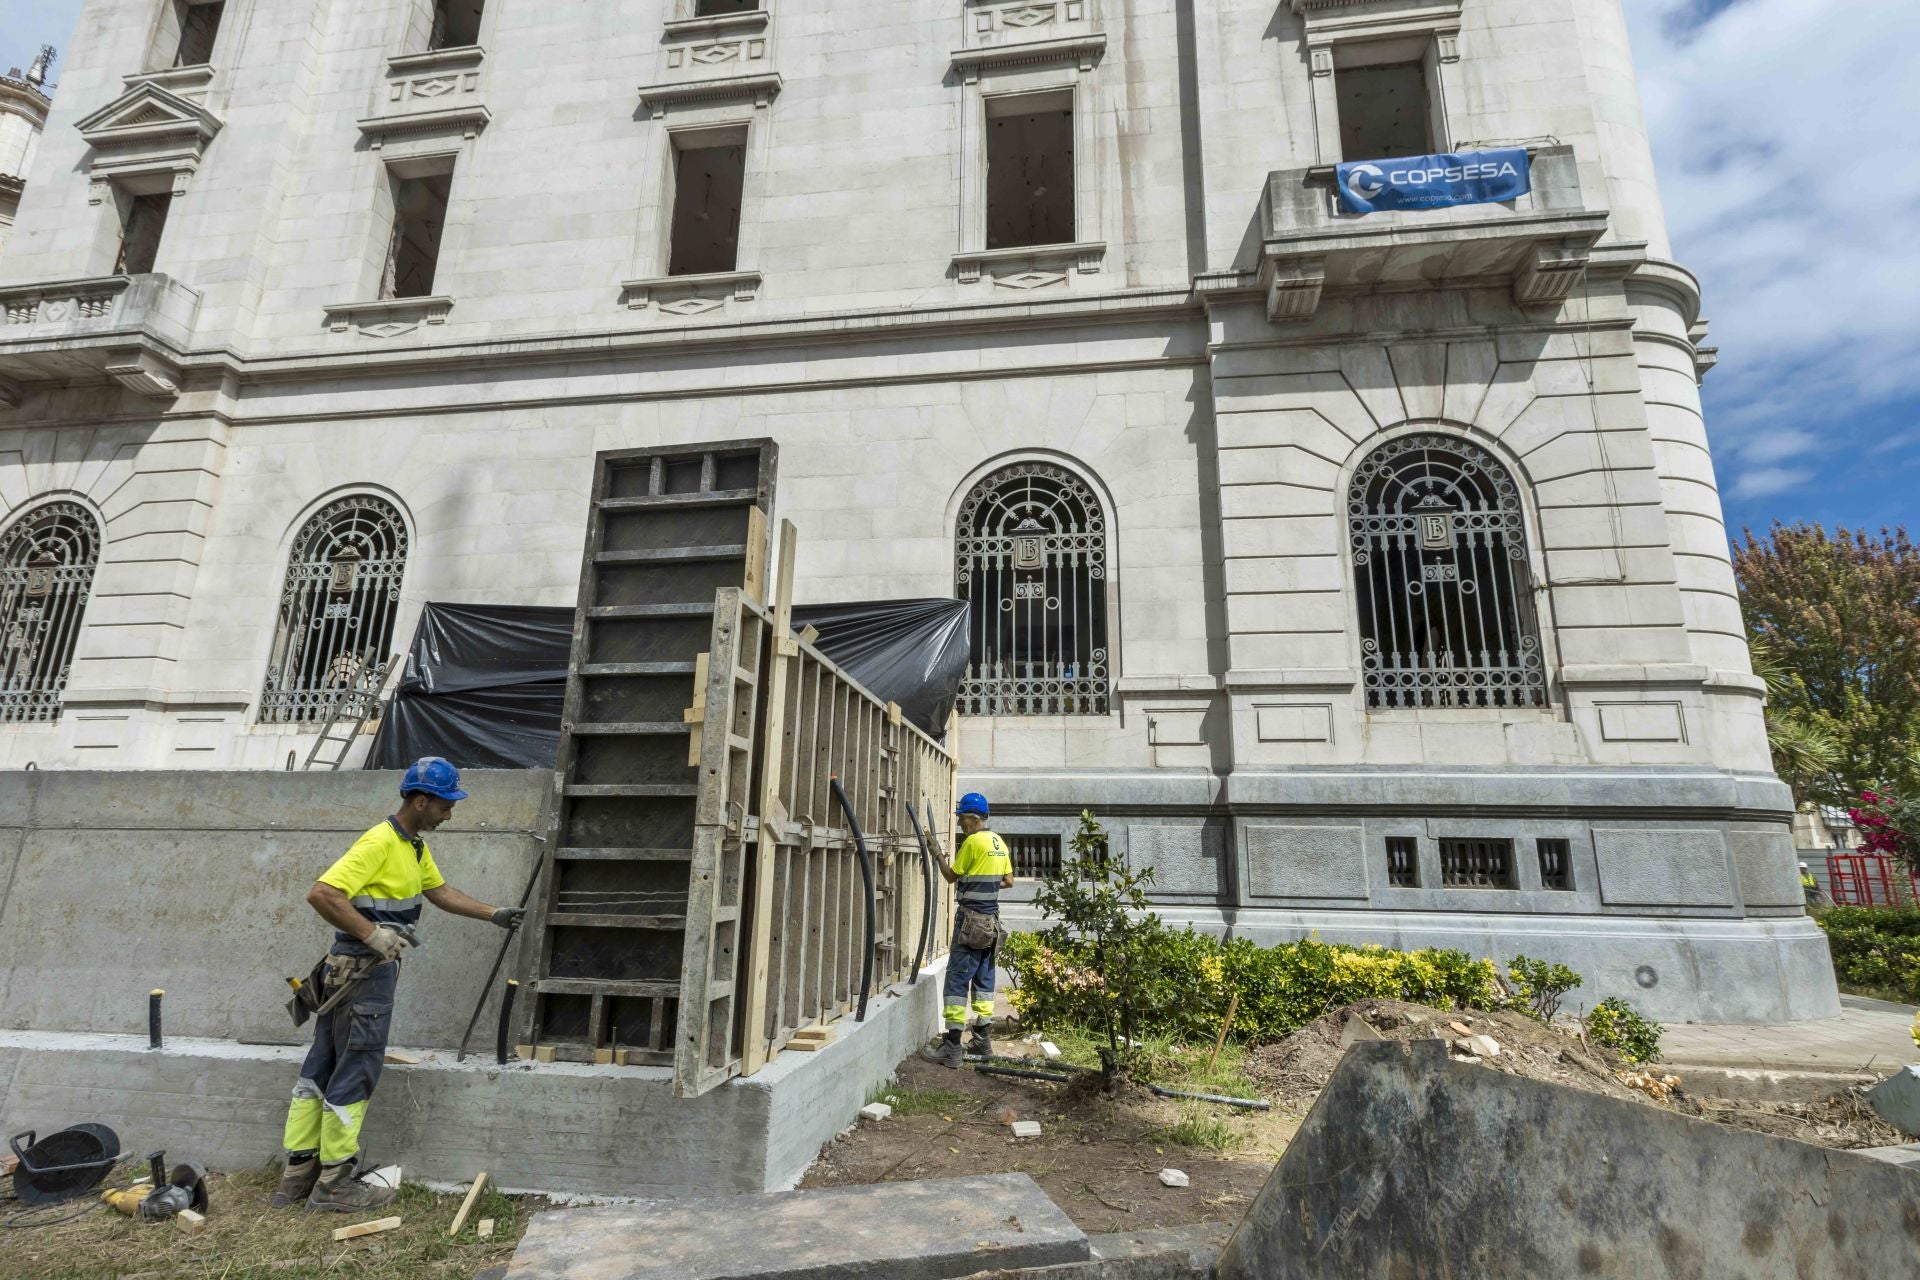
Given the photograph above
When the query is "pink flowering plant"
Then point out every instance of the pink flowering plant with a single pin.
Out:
(1889, 825)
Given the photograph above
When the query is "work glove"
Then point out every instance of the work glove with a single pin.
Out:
(508, 917)
(384, 942)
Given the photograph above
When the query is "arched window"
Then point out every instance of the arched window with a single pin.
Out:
(337, 609)
(1440, 572)
(1032, 564)
(47, 561)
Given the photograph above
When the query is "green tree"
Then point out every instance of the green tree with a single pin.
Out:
(1841, 615)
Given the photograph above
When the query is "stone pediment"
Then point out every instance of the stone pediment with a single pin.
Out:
(148, 115)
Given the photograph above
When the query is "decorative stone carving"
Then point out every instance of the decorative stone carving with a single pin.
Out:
(993, 24)
(144, 372)
(1549, 273)
(443, 73)
(690, 295)
(1083, 51)
(758, 89)
(147, 130)
(1293, 289)
(64, 302)
(388, 317)
(1030, 266)
(465, 120)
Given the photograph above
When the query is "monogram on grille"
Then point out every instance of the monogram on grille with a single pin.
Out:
(337, 610)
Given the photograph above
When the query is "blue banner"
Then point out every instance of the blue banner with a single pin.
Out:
(1433, 182)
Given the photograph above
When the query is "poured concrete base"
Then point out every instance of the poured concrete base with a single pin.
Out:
(933, 1230)
(555, 1127)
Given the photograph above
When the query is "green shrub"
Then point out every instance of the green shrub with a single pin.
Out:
(1613, 1023)
(1876, 948)
(1200, 1127)
(1192, 977)
(1538, 987)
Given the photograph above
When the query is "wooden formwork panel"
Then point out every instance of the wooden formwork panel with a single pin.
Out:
(669, 530)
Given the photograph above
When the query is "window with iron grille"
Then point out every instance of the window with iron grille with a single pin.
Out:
(1034, 857)
(47, 559)
(1556, 864)
(1403, 862)
(1442, 579)
(1032, 566)
(335, 635)
(1476, 864)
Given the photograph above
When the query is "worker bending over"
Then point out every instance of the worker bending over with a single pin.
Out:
(980, 869)
(371, 897)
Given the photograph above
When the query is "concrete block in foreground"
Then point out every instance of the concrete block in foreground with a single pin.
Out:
(932, 1230)
(1414, 1166)
(1897, 1099)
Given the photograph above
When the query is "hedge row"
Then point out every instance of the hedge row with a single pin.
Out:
(1875, 947)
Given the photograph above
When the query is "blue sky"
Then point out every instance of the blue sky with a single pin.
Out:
(1783, 131)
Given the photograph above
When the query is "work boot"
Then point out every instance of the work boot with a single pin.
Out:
(296, 1182)
(980, 1044)
(945, 1052)
(338, 1191)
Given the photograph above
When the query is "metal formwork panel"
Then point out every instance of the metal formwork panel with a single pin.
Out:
(670, 532)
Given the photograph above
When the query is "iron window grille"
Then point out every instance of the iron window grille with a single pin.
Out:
(1034, 857)
(1442, 579)
(47, 561)
(1403, 862)
(337, 611)
(1556, 864)
(1032, 566)
(1476, 864)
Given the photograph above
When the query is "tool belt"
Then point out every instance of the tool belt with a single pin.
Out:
(976, 930)
(334, 979)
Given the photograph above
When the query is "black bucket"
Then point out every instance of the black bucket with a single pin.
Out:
(63, 1165)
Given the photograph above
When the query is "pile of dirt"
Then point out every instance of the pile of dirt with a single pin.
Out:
(1297, 1068)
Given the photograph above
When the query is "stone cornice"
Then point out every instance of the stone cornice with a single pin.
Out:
(760, 90)
(1081, 50)
(714, 25)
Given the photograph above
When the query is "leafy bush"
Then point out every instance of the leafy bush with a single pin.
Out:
(1876, 948)
(1613, 1023)
(1191, 977)
(1538, 987)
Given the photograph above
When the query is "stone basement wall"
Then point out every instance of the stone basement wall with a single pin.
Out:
(1685, 897)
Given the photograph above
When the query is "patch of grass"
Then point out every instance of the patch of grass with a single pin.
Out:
(907, 1101)
(1166, 1062)
(1198, 1126)
(246, 1237)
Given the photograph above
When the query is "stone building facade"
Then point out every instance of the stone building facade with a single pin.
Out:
(317, 310)
(23, 114)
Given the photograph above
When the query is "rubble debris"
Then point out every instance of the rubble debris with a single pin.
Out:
(1049, 1048)
(1026, 1128)
(190, 1222)
(484, 1228)
(1659, 1088)
(875, 1112)
(1173, 1178)
(1897, 1099)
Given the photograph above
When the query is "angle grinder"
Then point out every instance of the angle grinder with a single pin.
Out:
(163, 1196)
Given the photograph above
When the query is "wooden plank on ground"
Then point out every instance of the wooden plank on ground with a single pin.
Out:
(359, 1229)
(466, 1206)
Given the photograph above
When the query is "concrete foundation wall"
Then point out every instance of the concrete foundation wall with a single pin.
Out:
(553, 1127)
(112, 884)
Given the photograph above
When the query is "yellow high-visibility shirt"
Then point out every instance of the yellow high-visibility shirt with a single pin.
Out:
(384, 875)
(981, 860)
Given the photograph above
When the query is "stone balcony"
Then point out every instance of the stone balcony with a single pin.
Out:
(132, 329)
(1539, 243)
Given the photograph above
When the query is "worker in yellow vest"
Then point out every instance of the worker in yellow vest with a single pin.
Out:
(982, 866)
(372, 897)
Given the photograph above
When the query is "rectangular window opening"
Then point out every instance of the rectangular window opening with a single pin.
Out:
(1403, 862)
(708, 182)
(1383, 111)
(1029, 171)
(199, 28)
(419, 218)
(715, 8)
(1476, 864)
(140, 232)
(1556, 864)
(456, 24)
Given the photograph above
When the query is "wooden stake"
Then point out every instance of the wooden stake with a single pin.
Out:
(756, 966)
(543, 1053)
(1219, 1041)
(466, 1206)
(483, 1228)
(359, 1229)
(395, 1057)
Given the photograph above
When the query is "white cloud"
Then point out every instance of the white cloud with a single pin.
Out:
(1783, 131)
(1761, 482)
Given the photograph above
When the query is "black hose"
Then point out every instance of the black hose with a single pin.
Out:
(1251, 1104)
(933, 897)
(485, 987)
(1048, 1076)
(506, 1019)
(926, 908)
(153, 1017)
(866, 874)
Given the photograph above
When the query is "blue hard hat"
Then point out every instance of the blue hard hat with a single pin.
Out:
(973, 802)
(433, 776)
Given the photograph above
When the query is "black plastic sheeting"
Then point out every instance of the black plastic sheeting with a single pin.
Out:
(485, 685)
